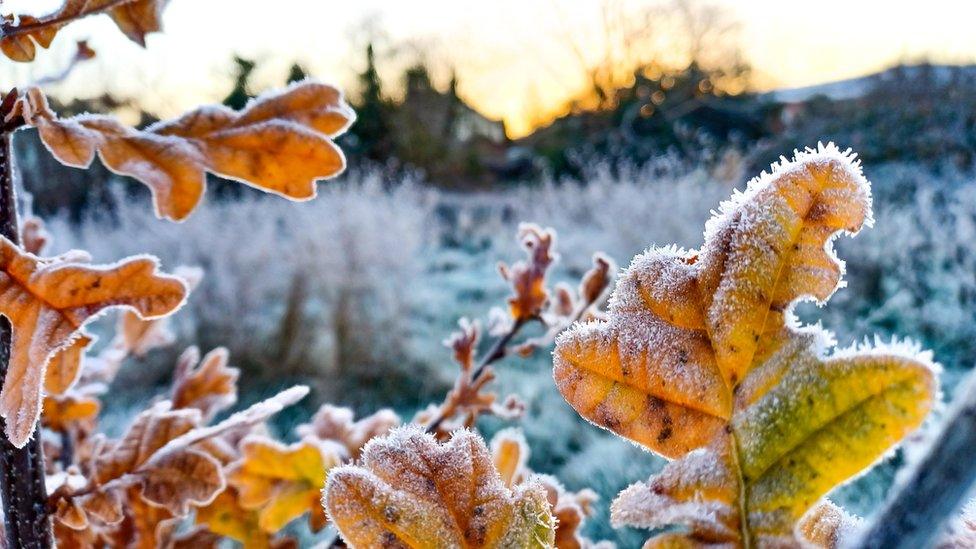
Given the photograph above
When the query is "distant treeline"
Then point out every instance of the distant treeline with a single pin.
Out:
(919, 113)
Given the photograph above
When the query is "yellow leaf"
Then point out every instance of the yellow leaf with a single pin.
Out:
(282, 482)
(411, 491)
(701, 361)
(48, 301)
(225, 516)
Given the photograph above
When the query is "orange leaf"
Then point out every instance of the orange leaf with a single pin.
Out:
(65, 366)
(282, 482)
(60, 411)
(135, 19)
(701, 361)
(138, 18)
(209, 386)
(48, 301)
(411, 491)
(280, 143)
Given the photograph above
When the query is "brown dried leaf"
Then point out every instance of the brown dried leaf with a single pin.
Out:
(411, 491)
(63, 411)
(138, 18)
(33, 236)
(338, 424)
(528, 278)
(48, 302)
(280, 143)
(134, 18)
(176, 480)
(827, 526)
(210, 386)
(65, 366)
(152, 430)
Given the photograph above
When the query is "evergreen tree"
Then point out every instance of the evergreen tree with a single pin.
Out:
(372, 129)
(241, 94)
(296, 73)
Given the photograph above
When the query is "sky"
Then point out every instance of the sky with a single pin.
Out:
(513, 57)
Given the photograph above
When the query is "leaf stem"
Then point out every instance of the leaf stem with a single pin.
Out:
(9, 29)
(937, 485)
(498, 350)
(26, 518)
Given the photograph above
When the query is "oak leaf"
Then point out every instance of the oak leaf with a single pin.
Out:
(160, 461)
(65, 366)
(48, 301)
(22, 35)
(225, 516)
(283, 482)
(208, 385)
(528, 277)
(510, 453)
(281, 143)
(33, 236)
(701, 360)
(62, 411)
(137, 336)
(339, 425)
(411, 491)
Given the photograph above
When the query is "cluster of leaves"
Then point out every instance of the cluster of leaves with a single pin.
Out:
(22, 34)
(702, 362)
(698, 359)
(406, 488)
(232, 477)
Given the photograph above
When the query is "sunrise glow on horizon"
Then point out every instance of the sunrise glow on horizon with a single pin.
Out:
(510, 56)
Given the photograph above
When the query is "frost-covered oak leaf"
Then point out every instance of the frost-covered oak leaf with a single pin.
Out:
(65, 366)
(411, 491)
(136, 336)
(208, 385)
(225, 516)
(281, 143)
(338, 424)
(22, 35)
(701, 360)
(283, 482)
(62, 411)
(48, 301)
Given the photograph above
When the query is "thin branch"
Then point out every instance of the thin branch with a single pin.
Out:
(57, 19)
(498, 350)
(937, 486)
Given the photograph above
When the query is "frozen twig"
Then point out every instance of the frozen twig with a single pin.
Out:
(937, 485)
